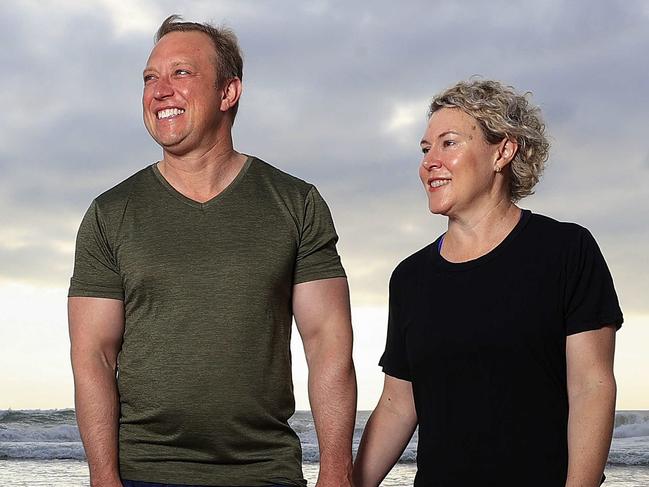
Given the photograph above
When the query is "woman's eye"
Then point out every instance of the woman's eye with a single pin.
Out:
(448, 143)
(425, 150)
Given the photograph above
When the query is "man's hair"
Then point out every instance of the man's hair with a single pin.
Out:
(228, 59)
(503, 113)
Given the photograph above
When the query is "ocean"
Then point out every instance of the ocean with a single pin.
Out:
(43, 448)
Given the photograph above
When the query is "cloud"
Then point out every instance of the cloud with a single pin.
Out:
(132, 17)
(336, 93)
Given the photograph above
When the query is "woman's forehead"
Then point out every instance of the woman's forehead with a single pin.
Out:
(455, 120)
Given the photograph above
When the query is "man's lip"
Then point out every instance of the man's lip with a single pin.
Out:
(157, 111)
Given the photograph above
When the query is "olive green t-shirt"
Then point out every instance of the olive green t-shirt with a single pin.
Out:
(204, 372)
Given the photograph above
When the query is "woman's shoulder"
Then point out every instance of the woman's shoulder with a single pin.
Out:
(561, 230)
(564, 241)
(414, 262)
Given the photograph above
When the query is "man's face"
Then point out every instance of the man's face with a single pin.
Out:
(181, 103)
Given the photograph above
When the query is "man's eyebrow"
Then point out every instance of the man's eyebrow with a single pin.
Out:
(173, 64)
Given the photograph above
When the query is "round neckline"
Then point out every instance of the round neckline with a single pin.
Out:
(197, 204)
(440, 261)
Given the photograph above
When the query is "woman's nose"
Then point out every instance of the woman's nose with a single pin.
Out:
(429, 162)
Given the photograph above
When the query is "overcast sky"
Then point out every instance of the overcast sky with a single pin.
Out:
(335, 93)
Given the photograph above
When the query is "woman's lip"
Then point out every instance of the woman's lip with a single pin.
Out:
(436, 183)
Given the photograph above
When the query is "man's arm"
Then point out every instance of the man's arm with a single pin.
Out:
(386, 434)
(591, 397)
(322, 314)
(96, 330)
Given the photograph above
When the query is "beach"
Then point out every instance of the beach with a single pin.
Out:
(43, 448)
(74, 473)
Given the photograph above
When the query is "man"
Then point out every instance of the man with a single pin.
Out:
(186, 277)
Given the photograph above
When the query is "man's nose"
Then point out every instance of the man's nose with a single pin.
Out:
(163, 88)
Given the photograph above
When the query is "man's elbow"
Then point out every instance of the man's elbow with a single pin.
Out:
(87, 361)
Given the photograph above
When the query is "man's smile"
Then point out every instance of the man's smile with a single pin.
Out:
(169, 112)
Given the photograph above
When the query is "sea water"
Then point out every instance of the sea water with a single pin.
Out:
(43, 448)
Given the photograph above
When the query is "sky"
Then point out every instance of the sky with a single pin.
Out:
(335, 93)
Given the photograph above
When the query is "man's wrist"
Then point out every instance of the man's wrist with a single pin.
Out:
(335, 474)
(106, 480)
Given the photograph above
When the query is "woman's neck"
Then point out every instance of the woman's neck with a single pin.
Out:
(475, 235)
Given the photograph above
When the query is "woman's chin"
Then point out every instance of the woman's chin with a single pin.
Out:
(438, 210)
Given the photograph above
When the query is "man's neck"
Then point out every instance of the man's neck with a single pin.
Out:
(202, 176)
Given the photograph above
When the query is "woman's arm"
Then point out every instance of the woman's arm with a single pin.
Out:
(591, 397)
(386, 434)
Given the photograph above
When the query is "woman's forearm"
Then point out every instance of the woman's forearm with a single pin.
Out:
(386, 434)
(590, 428)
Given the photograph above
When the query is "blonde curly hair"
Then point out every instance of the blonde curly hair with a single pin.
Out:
(503, 113)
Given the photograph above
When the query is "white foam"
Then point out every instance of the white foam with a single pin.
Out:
(24, 433)
(48, 435)
(629, 451)
(632, 431)
(42, 451)
(631, 424)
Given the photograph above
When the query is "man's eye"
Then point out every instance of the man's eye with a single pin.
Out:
(148, 77)
(425, 150)
(182, 72)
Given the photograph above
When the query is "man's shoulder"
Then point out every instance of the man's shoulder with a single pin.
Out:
(269, 174)
(117, 196)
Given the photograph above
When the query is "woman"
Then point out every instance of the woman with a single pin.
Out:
(501, 332)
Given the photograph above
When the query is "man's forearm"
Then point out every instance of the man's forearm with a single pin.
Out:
(590, 428)
(97, 411)
(332, 393)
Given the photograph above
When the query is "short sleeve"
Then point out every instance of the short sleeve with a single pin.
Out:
(590, 298)
(317, 257)
(96, 273)
(394, 359)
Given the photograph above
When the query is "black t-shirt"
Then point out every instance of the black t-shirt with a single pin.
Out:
(483, 343)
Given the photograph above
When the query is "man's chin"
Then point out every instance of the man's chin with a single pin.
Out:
(173, 145)
(176, 151)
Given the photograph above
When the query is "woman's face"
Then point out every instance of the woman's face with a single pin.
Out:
(458, 166)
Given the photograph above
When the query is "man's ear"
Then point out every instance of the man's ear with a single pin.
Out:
(231, 94)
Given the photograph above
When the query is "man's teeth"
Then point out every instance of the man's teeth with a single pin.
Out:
(439, 182)
(169, 112)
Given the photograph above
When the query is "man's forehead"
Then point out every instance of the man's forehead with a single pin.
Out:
(182, 43)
